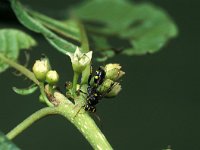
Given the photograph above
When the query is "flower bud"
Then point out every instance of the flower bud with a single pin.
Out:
(110, 88)
(113, 71)
(105, 86)
(40, 69)
(52, 77)
(115, 90)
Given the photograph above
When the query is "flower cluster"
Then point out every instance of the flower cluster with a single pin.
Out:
(110, 85)
(42, 71)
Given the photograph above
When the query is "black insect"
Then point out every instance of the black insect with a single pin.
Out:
(93, 95)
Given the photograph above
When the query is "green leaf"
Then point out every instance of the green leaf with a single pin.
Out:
(68, 29)
(5, 144)
(140, 28)
(33, 24)
(11, 42)
(25, 91)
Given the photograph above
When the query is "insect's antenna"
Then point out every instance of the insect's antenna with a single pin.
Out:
(27, 58)
(85, 55)
(98, 118)
(78, 111)
(90, 76)
(82, 92)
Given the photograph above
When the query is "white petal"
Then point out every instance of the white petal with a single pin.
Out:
(89, 55)
(77, 53)
(84, 60)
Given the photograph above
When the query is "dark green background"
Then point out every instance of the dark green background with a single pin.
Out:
(158, 106)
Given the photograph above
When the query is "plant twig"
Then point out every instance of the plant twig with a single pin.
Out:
(20, 68)
(42, 91)
(30, 120)
(74, 84)
(83, 122)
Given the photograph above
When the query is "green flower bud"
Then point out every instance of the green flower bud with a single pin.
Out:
(115, 90)
(52, 77)
(79, 60)
(110, 88)
(40, 69)
(105, 86)
(113, 71)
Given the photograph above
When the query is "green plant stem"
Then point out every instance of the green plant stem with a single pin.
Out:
(42, 91)
(88, 128)
(85, 48)
(83, 37)
(30, 120)
(20, 68)
(74, 84)
(83, 122)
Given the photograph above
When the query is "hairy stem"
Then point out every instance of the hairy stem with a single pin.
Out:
(83, 122)
(30, 120)
(20, 68)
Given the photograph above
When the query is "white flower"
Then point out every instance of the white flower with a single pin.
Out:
(79, 60)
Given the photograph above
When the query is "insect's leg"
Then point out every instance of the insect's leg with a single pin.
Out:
(109, 89)
(79, 109)
(82, 92)
(97, 118)
(111, 86)
(90, 76)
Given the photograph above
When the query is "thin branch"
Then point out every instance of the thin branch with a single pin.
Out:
(20, 68)
(30, 120)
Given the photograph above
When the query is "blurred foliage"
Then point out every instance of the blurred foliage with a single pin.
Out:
(142, 28)
(12, 41)
(36, 26)
(112, 26)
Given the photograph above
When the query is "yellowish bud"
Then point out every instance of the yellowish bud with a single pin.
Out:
(52, 77)
(113, 71)
(115, 90)
(40, 69)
